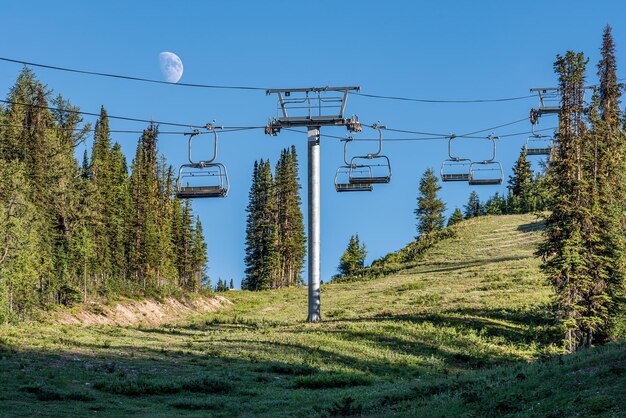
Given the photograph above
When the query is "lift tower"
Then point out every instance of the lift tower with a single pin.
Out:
(313, 108)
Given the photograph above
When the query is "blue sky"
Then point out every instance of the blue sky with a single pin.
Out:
(434, 50)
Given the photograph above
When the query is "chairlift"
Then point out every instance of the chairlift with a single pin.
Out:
(486, 172)
(379, 167)
(454, 168)
(342, 180)
(205, 178)
(539, 145)
(342, 176)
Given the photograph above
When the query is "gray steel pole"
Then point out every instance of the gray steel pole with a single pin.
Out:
(313, 145)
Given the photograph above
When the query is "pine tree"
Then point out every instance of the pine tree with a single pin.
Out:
(290, 221)
(262, 256)
(185, 262)
(52, 175)
(604, 298)
(118, 210)
(353, 259)
(199, 257)
(430, 209)
(564, 250)
(232, 284)
(521, 185)
(495, 205)
(144, 211)
(20, 242)
(100, 170)
(457, 216)
(253, 250)
(473, 207)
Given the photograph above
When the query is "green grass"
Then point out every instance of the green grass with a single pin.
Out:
(466, 332)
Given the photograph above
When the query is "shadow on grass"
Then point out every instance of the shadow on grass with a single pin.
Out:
(536, 226)
(234, 373)
(137, 381)
(461, 265)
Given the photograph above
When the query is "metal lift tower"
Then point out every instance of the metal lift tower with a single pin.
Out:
(313, 108)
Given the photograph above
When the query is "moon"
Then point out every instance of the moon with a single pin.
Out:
(171, 67)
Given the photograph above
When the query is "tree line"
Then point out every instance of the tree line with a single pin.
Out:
(71, 231)
(527, 193)
(275, 238)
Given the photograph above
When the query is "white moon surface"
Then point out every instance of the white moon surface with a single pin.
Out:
(171, 66)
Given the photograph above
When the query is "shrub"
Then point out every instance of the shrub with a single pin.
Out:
(330, 380)
(44, 393)
(207, 385)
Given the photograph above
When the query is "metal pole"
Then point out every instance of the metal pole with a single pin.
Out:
(313, 145)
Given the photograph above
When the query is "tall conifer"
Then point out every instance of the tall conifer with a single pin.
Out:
(430, 208)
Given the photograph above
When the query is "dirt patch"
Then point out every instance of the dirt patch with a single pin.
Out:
(148, 312)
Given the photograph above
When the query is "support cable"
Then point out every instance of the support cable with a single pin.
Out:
(126, 77)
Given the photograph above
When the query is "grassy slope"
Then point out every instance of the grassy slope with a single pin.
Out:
(466, 332)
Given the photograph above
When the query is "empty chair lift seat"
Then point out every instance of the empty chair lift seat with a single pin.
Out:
(539, 145)
(192, 192)
(352, 187)
(485, 173)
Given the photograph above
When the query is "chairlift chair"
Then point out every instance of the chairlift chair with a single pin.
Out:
(379, 171)
(342, 180)
(342, 176)
(454, 168)
(483, 173)
(539, 145)
(202, 179)
(486, 172)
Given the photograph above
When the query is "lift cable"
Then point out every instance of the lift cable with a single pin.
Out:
(493, 127)
(226, 129)
(80, 112)
(422, 138)
(88, 130)
(404, 131)
(125, 77)
(409, 99)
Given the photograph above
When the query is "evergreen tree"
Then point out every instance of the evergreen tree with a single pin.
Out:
(118, 210)
(564, 249)
(520, 186)
(457, 216)
(495, 205)
(472, 208)
(290, 221)
(232, 284)
(584, 248)
(430, 209)
(20, 242)
(604, 298)
(100, 173)
(145, 212)
(353, 259)
(199, 257)
(262, 256)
